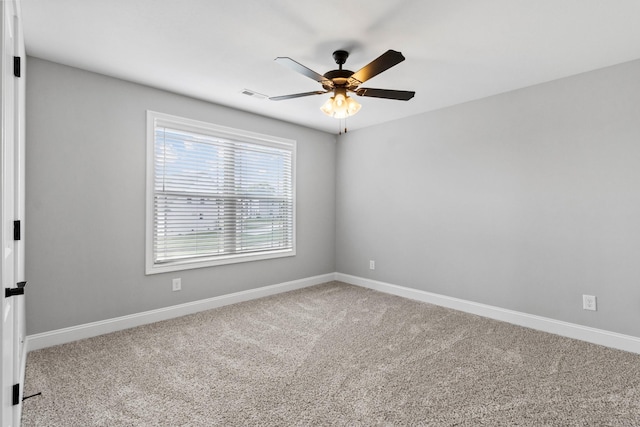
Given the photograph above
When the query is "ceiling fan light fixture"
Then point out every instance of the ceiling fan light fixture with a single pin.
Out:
(340, 106)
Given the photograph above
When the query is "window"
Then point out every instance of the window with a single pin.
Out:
(216, 195)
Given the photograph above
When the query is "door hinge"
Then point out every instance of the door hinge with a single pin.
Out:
(16, 394)
(16, 66)
(16, 230)
(12, 292)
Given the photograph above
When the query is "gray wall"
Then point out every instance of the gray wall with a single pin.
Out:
(85, 213)
(525, 200)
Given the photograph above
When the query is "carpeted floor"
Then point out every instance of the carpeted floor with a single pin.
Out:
(332, 354)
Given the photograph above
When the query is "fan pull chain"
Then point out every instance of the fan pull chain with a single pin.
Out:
(340, 124)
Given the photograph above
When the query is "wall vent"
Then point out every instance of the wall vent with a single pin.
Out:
(253, 93)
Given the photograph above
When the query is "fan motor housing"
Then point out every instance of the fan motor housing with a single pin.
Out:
(338, 77)
(338, 74)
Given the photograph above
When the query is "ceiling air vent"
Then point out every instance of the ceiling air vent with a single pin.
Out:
(255, 94)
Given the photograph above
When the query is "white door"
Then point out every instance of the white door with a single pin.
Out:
(9, 149)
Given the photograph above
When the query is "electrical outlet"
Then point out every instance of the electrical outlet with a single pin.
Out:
(372, 265)
(177, 284)
(589, 302)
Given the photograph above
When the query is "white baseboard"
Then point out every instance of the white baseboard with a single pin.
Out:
(566, 329)
(88, 330)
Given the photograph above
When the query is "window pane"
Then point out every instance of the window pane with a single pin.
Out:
(218, 197)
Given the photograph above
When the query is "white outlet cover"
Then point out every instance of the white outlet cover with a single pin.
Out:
(589, 302)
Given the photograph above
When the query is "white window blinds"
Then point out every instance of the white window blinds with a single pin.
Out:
(220, 195)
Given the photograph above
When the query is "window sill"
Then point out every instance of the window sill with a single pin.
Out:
(188, 264)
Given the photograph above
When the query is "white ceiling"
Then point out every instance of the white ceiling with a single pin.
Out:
(456, 50)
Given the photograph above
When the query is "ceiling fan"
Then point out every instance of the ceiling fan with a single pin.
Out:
(340, 82)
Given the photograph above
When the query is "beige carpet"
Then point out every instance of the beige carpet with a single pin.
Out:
(332, 354)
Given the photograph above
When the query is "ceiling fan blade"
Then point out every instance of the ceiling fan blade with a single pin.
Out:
(296, 95)
(298, 67)
(375, 67)
(401, 95)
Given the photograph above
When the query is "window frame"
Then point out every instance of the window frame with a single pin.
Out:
(209, 129)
